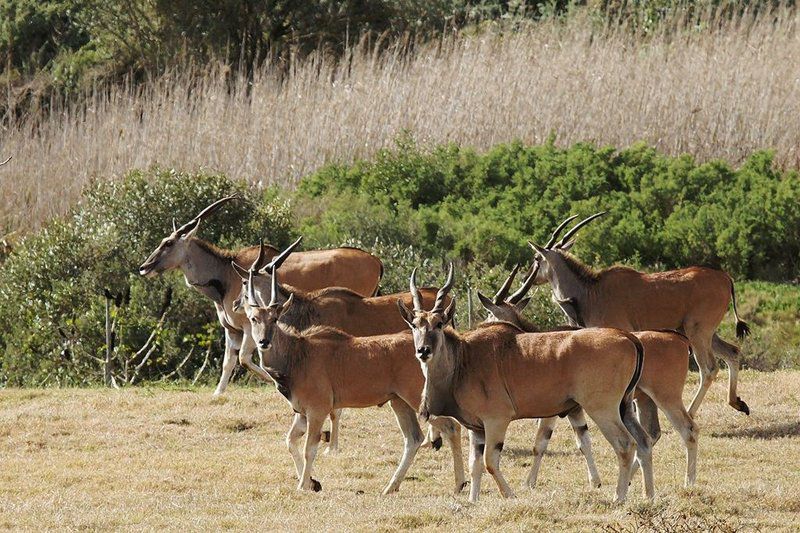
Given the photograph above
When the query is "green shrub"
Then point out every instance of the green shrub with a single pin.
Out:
(51, 287)
(410, 207)
(662, 211)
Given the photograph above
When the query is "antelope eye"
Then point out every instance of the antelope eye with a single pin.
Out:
(169, 243)
(439, 325)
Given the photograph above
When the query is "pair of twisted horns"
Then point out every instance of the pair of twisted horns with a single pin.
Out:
(502, 294)
(208, 211)
(252, 299)
(568, 235)
(271, 268)
(438, 306)
(276, 262)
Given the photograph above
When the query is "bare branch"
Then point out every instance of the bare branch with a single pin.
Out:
(202, 368)
(178, 368)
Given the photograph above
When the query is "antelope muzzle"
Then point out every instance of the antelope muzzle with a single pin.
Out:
(424, 353)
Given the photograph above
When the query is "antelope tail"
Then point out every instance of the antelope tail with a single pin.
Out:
(377, 291)
(742, 329)
(637, 373)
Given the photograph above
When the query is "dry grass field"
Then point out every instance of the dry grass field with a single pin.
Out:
(718, 93)
(148, 458)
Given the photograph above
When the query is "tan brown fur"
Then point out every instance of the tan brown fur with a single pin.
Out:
(325, 369)
(207, 268)
(693, 300)
(339, 307)
(664, 372)
(495, 374)
(313, 270)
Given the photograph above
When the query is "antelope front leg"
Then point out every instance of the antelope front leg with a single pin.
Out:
(412, 437)
(477, 444)
(314, 423)
(451, 430)
(543, 434)
(232, 344)
(495, 437)
(577, 420)
(246, 359)
(296, 431)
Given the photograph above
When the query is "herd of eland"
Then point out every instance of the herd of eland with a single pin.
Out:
(328, 341)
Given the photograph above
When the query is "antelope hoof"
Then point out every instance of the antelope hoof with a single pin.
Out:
(389, 489)
(312, 485)
(326, 436)
(331, 451)
(436, 443)
(461, 487)
(596, 484)
(740, 405)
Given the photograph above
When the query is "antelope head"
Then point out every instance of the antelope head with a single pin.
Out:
(544, 255)
(260, 274)
(173, 249)
(505, 308)
(264, 318)
(428, 326)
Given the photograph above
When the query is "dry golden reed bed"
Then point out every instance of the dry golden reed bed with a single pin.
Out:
(170, 459)
(714, 94)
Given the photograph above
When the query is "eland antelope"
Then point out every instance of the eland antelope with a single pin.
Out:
(336, 307)
(207, 269)
(692, 300)
(666, 365)
(490, 376)
(322, 369)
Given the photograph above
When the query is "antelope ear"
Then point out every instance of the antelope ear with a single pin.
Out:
(286, 305)
(567, 246)
(486, 302)
(189, 231)
(450, 312)
(522, 304)
(243, 272)
(405, 312)
(541, 250)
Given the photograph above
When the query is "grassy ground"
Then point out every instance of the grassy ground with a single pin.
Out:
(177, 459)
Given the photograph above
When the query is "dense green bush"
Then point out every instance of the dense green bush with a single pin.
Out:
(410, 207)
(662, 211)
(52, 285)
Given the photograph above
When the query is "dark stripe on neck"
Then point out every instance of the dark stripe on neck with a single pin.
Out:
(214, 289)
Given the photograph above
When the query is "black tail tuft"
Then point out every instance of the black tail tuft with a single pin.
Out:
(637, 373)
(742, 329)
